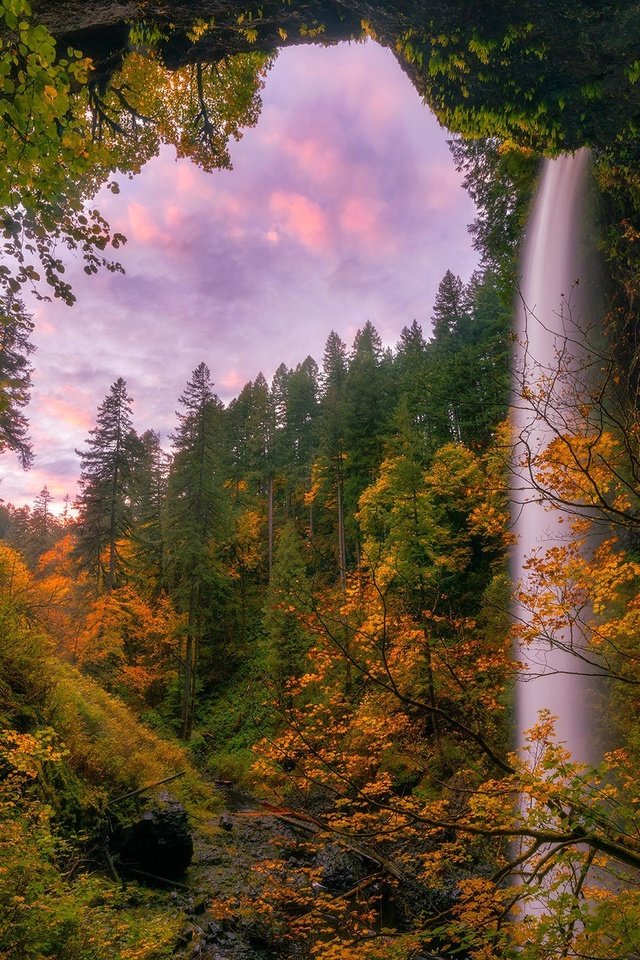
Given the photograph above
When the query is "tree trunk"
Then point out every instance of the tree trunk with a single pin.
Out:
(342, 548)
(270, 523)
(187, 703)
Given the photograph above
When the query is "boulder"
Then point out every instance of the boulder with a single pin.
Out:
(340, 870)
(160, 842)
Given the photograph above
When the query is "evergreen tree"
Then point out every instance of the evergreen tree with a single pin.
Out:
(369, 399)
(106, 482)
(411, 374)
(500, 181)
(480, 361)
(196, 517)
(261, 451)
(449, 308)
(288, 596)
(301, 414)
(16, 328)
(332, 430)
(466, 363)
(151, 476)
(252, 425)
(42, 522)
(294, 395)
(448, 319)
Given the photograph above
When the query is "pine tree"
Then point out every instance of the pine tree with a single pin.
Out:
(42, 522)
(450, 313)
(16, 327)
(252, 425)
(150, 490)
(196, 517)
(294, 396)
(369, 396)
(288, 596)
(411, 374)
(333, 427)
(106, 482)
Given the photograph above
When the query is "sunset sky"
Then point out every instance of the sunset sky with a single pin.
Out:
(343, 206)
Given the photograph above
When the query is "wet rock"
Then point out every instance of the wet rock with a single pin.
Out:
(160, 843)
(340, 870)
(199, 906)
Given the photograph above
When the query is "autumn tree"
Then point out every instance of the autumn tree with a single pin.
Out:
(197, 108)
(130, 644)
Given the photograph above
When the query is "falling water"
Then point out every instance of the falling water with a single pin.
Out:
(554, 309)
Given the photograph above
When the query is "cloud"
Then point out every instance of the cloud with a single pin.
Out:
(302, 219)
(143, 228)
(65, 413)
(232, 380)
(361, 217)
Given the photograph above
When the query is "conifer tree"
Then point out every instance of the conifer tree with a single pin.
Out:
(16, 328)
(106, 482)
(288, 596)
(333, 431)
(411, 374)
(151, 476)
(196, 518)
(369, 396)
(253, 424)
(42, 521)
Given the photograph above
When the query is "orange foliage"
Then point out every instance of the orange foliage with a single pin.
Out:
(130, 643)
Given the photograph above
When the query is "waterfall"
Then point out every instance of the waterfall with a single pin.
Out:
(554, 310)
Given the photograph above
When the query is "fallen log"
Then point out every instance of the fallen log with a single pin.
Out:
(148, 786)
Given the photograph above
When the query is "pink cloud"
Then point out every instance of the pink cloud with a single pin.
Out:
(66, 413)
(382, 103)
(361, 217)
(174, 217)
(302, 218)
(316, 157)
(232, 380)
(143, 228)
(188, 180)
(443, 189)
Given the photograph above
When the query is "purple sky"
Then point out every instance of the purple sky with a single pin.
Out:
(343, 206)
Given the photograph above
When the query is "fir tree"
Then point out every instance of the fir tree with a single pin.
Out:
(106, 482)
(196, 518)
(369, 396)
(42, 522)
(150, 489)
(333, 427)
(288, 596)
(16, 328)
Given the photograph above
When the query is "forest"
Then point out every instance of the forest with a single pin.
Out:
(259, 680)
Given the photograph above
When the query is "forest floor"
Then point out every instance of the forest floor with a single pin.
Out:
(224, 919)
(257, 869)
